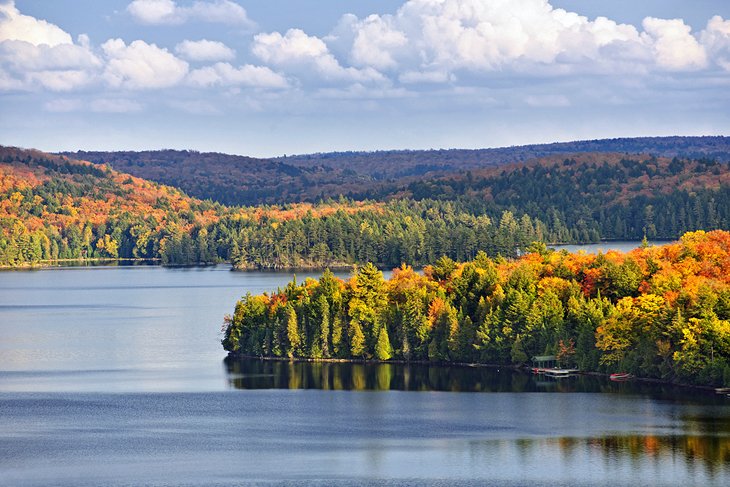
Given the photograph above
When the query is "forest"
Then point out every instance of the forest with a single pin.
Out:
(240, 180)
(658, 312)
(54, 208)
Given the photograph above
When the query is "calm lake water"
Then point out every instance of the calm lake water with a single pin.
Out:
(115, 376)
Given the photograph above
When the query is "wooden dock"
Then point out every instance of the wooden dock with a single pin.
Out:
(553, 372)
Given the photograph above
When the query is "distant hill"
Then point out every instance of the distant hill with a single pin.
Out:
(383, 165)
(231, 179)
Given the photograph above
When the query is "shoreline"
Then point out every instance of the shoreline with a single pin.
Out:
(46, 264)
(234, 355)
(335, 266)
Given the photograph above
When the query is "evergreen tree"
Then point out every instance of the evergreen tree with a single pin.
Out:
(383, 350)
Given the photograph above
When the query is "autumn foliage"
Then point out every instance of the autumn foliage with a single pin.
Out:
(658, 311)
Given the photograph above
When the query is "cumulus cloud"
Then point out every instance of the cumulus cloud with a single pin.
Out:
(205, 50)
(478, 35)
(226, 75)
(430, 40)
(19, 27)
(140, 65)
(23, 56)
(375, 41)
(673, 44)
(301, 53)
(169, 12)
(36, 54)
(459, 43)
(716, 39)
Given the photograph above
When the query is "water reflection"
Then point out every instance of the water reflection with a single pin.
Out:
(244, 373)
(616, 427)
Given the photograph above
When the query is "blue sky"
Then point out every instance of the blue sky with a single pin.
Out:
(276, 77)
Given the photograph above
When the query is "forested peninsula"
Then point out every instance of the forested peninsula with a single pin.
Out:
(658, 312)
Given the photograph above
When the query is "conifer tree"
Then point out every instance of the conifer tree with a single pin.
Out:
(292, 331)
(383, 350)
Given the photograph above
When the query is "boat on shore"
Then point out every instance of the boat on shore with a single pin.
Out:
(620, 376)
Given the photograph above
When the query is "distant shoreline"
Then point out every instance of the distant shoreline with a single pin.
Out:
(156, 261)
(46, 264)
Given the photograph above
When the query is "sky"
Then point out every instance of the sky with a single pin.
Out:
(274, 77)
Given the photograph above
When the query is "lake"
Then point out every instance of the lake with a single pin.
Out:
(115, 376)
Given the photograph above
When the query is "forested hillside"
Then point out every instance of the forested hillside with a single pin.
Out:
(54, 207)
(591, 196)
(660, 312)
(240, 180)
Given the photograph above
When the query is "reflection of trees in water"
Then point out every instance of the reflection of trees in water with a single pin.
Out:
(706, 442)
(266, 374)
(713, 452)
(710, 453)
(263, 374)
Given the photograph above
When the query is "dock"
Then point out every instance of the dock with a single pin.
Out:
(553, 372)
(547, 365)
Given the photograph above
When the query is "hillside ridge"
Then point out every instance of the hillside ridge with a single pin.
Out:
(242, 180)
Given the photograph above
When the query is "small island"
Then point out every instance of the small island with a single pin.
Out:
(659, 312)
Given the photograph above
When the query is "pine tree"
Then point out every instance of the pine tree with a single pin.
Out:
(357, 340)
(324, 328)
(383, 350)
(292, 331)
(337, 348)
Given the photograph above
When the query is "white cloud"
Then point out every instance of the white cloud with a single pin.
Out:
(375, 42)
(19, 27)
(23, 56)
(478, 35)
(673, 44)
(303, 54)
(716, 39)
(169, 12)
(227, 75)
(140, 65)
(154, 11)
(60, 80)
(205, 50)
(37, 54)
(441, 37)
(62, 67)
